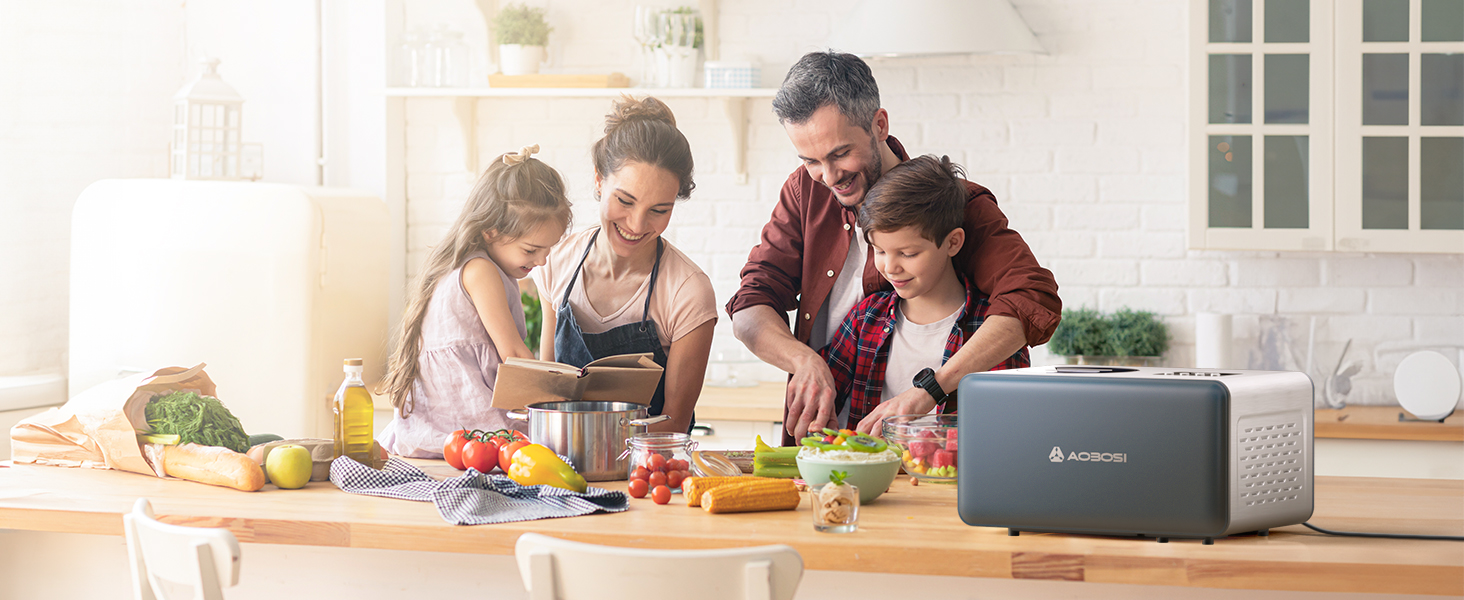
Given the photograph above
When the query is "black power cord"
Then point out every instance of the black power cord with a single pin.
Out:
(1394, 536)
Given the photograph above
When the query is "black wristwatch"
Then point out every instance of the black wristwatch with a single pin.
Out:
(925, 380)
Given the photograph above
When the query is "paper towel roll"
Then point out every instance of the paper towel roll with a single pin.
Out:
(1212, 341)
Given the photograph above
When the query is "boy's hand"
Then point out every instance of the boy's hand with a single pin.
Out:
(810, 397)
(914, 401)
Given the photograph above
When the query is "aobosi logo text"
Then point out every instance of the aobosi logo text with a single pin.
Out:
(1057, 456)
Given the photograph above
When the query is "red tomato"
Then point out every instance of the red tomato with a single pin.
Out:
(678, 465)
(480, 455)
(640, 473)
(506, 452)
(637, 488)
(674, 478)
(657, 478)
(656, 462)
(661, 494)
(452, 449)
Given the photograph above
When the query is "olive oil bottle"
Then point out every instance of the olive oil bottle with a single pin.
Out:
(353, 415)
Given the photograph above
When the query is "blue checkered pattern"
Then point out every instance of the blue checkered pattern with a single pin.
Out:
(472, 498)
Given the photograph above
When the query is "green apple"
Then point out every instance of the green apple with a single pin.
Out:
(288, 466)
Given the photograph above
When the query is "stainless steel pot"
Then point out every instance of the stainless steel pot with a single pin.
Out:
(591, 435)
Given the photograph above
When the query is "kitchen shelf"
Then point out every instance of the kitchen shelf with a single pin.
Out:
(416, 92)
(734, 104)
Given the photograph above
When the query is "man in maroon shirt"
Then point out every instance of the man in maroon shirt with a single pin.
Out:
(812, 258)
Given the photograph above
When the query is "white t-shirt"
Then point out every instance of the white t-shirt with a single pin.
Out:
(914, 347)
(848, 290)
(683, 299)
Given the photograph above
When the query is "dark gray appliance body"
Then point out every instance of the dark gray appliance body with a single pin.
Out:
(1160, 452)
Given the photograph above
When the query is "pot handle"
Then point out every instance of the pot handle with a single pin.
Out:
(518, 414)
(649, 420)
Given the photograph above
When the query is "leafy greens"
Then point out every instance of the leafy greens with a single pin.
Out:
(197, 420)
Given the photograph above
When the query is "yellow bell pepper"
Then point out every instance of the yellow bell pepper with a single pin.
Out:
(536, 464)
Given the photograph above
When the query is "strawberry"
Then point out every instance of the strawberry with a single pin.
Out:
(943, 458)
(951, 440)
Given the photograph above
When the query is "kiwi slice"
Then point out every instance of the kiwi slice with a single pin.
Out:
(866, 443)
(833, 432)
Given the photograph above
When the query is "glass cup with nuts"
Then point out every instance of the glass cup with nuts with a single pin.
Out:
(835, 505)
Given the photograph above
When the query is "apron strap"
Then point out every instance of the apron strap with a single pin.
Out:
(564, 302)
(651, 289)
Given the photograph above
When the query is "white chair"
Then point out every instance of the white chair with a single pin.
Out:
(555, 569)
(166, 557)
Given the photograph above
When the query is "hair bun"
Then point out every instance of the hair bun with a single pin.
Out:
(628, 109)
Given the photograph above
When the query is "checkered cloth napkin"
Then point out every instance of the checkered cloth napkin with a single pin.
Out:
(472, 498)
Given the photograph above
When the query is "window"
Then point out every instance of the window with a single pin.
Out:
(1274, 167)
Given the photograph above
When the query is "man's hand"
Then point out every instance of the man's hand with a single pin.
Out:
(914, 401)
(810, 397)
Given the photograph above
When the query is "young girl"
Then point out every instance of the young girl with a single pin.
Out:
(464, 317)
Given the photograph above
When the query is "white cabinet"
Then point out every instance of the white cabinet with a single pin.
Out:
(1326, 126)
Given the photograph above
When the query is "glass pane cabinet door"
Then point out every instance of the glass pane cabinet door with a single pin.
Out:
(1262, 168)
(1400, 125)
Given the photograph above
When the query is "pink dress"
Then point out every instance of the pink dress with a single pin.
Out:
(458, 366)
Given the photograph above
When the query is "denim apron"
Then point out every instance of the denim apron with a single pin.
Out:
(575, 347)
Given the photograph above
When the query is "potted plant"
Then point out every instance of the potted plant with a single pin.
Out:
(1126, 337)
(522, 33)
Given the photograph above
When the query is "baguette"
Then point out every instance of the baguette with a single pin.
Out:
(214, 465)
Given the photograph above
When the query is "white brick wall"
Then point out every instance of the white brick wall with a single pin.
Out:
(87, 95)
(1085, 148)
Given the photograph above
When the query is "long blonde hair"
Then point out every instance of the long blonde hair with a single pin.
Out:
(513, 196)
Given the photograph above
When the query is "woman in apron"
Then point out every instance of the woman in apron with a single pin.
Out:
(618, 287)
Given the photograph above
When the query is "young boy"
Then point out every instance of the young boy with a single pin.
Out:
(894, 340)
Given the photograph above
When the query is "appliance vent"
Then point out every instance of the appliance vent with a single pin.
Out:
(1270, 459)
(1194, 374)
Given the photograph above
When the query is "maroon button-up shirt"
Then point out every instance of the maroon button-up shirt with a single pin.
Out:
(808, 238)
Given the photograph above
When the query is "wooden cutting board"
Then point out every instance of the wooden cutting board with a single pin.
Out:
(558, 80)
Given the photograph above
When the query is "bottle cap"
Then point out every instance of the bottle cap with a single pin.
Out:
(354, 362)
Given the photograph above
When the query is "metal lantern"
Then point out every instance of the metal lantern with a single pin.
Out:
(206, 115)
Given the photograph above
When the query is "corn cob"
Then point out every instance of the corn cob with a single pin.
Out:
(750, 496)
(694, 487)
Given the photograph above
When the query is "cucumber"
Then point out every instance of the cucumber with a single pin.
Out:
(263, 438)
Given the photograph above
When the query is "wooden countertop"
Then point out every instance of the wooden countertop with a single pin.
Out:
(911, 530)
(1381, 423)
(761, 403)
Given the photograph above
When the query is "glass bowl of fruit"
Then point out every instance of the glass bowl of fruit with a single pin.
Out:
(926, 445)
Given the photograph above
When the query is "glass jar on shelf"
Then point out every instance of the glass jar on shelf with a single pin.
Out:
(659, 458)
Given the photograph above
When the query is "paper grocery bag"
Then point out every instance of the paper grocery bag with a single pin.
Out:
(620, 378)
(98, 428)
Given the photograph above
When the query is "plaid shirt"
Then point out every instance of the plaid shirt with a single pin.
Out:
(860, 349)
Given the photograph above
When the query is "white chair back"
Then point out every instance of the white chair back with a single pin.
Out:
(555, 569)
(166, 557)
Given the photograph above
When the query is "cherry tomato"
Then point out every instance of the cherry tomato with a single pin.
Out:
(480, 455)
(657, 478)
(640, 473)
(656, 462)
(680, 465)
(674, 478)
(506, 452)
(661, 494)
(637, 488)
(452, 449)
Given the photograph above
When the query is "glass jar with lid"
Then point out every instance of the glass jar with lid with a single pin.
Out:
(659, 458)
